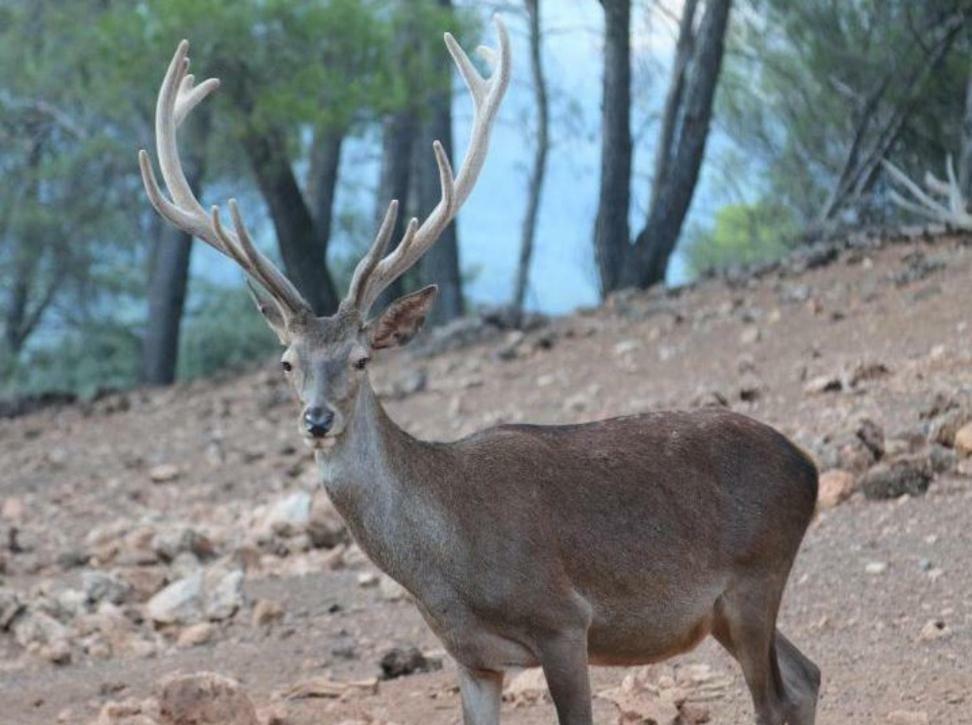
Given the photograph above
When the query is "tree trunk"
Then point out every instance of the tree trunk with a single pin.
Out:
(611, 231)
(169, 275)
(168, 279)
(322, 178)
(398, 135)
(439, 265)
(673, 193)
(684, 48)
(539, 168)
(303, 247)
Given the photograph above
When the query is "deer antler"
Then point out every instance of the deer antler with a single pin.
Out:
(375, 271)
(953, 211)
(177, 97)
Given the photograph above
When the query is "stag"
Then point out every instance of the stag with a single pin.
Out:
(617, 542)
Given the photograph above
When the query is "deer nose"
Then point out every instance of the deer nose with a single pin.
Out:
(317, 421)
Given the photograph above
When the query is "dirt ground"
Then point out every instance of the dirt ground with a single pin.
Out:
(890, 326)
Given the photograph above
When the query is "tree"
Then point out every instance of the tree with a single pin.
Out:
(681, 145)
(816, 93)
(611, 231)
(440, 265)
(168, 276)
(538, 168)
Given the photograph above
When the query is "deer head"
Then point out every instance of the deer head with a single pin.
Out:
(326, 358)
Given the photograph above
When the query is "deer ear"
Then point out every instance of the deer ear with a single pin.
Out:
(272, 313)
(403, 318)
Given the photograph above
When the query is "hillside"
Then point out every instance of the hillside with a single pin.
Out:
(862, 354)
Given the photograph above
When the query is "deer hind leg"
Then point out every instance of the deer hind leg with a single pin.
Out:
(801, 681)
(564, 661)
(481, 692)
(745, 624)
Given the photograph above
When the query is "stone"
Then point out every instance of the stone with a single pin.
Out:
(164, 473)
(750, 388)
(526, 687)
(908, 717)
(40, 633)
(867, 371)
(180, 602)
(328, 688)
(942, 459)
(101, 586)
(204, 698)
(367, 579)
(835, 486)
(129, 712)
(266, 612)
(946, 427)
(390, 590)
(963, 440)
(399, 662)
(224, 594)
(171, 541)
(13, 510)
(196, 635)
(875, 567)
(10, 607)
(911, 475)
(933, 630)
(290, 515)
(750, 335)
(626, 347)
(872, 436)
(144, 581)
(213, 594)
(823, 384)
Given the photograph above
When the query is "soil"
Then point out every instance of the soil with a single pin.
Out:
(890, 325)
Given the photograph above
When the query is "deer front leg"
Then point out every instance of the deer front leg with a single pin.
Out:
(564, 661)
(481, 692)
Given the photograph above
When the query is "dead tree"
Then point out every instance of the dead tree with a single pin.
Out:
(538, 168)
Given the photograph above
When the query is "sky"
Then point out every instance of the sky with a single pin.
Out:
(563, 275)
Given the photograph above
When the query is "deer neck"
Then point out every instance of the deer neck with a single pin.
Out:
(371, 476)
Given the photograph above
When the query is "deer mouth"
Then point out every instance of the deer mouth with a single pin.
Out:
(320, 444)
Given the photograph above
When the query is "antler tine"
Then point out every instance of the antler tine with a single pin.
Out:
(178, 95)
(487, 95)
(377, 250)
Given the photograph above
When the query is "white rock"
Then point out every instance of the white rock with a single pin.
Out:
(181, 601)
(213, 594)
(289, 516)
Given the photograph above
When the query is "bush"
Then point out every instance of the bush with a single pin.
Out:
(741, 234)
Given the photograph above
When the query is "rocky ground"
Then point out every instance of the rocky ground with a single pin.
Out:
(154, 535)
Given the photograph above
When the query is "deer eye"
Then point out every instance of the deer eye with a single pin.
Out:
(287, 367)
(361, 363)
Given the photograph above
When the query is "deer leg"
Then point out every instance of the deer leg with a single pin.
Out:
(801, 681)
(745, 624)
(564, 662)
(481, 692)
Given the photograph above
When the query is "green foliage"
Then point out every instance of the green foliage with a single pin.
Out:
(803, 78)
(741, 234)
(224, 332)
(83, 361)
(76, 101)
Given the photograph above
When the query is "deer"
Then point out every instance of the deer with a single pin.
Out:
(617, 542)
